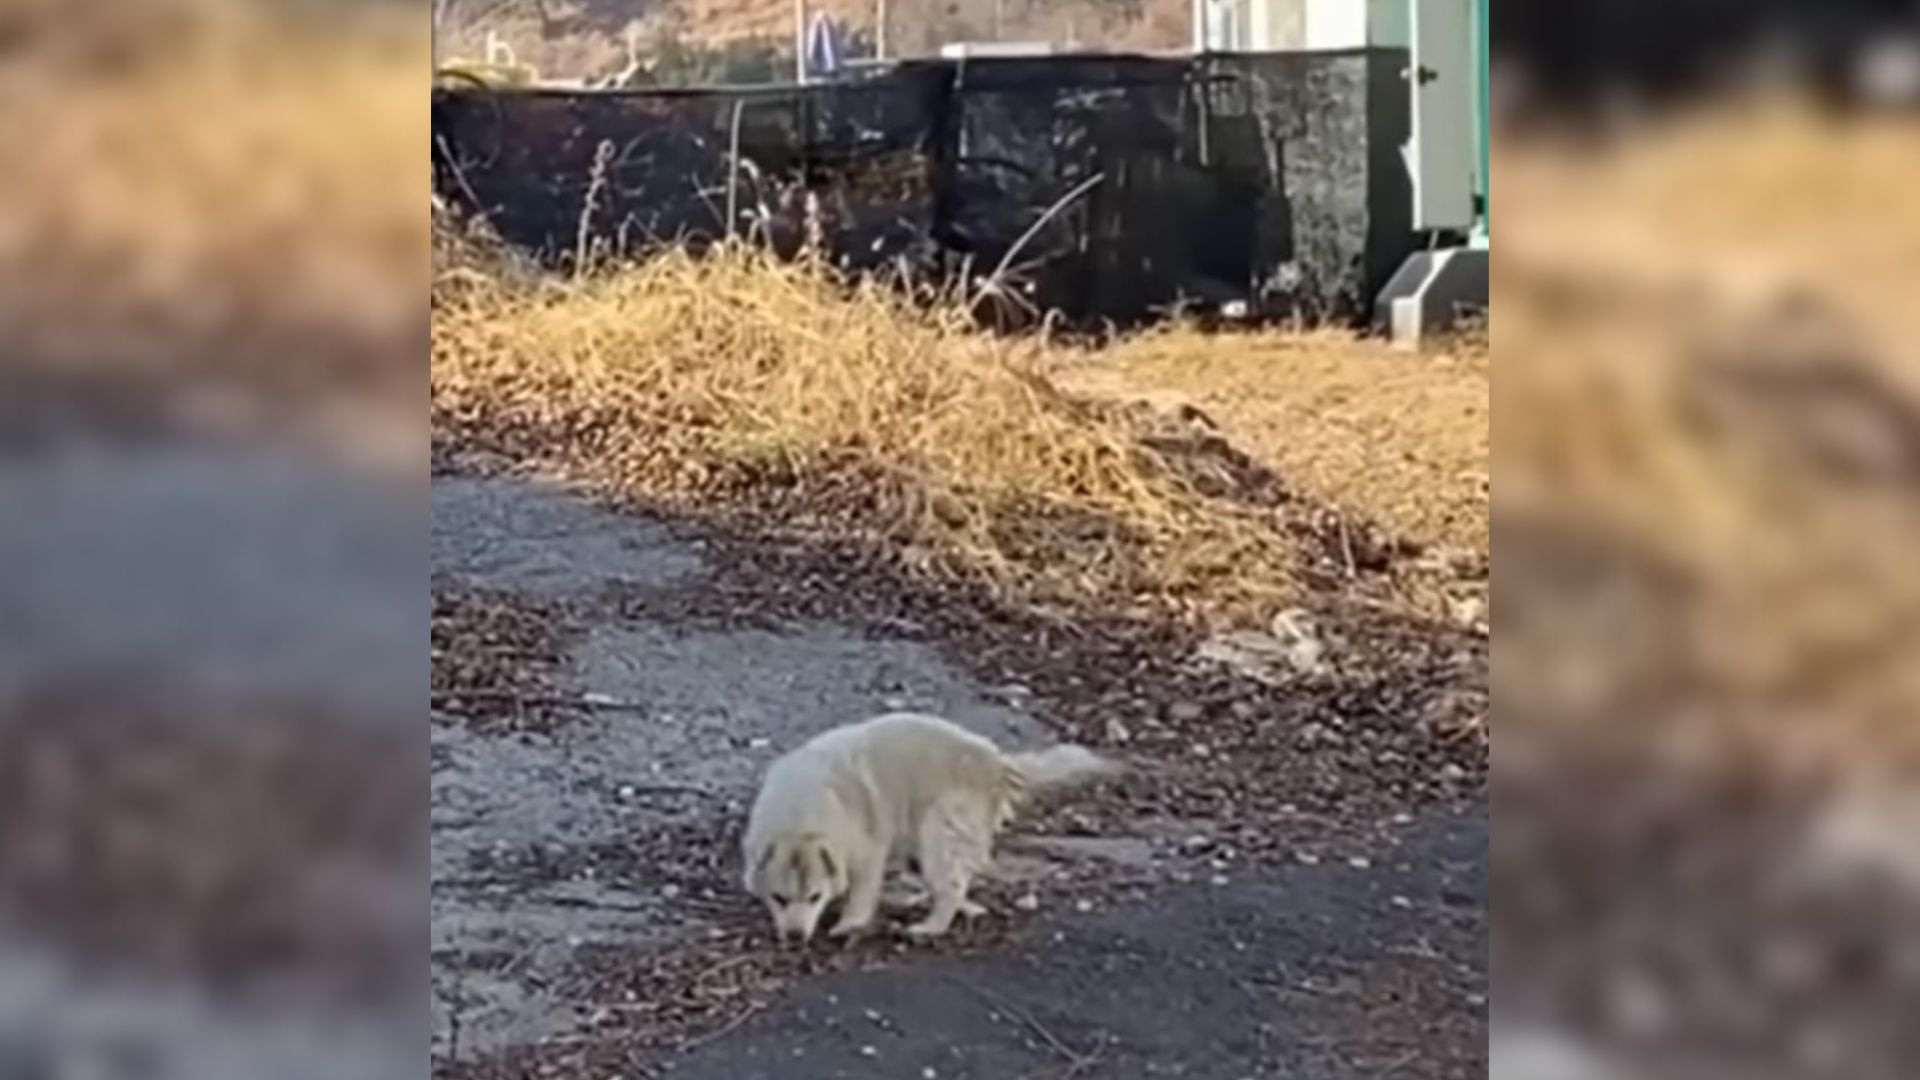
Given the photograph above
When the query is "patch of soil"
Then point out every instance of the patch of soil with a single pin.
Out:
(495, 655)
(232, 842)
(1674, 908)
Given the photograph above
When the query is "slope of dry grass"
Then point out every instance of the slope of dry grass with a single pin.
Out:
(186, 174)
(739, 379)
(1706, 358)
(1398, 438)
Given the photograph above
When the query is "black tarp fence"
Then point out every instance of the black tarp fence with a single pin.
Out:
(1108, 188)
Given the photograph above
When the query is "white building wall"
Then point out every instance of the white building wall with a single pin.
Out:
(1278, 25)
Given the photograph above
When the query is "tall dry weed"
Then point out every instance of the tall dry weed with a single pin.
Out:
(842, 407)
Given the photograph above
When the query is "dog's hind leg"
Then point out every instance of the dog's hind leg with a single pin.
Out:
(955, 846)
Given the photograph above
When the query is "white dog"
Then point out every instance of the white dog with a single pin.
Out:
(834, 813)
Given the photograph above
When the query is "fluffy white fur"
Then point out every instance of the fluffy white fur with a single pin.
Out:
(833, 814)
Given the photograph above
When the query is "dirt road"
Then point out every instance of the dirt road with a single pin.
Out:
(584, 906)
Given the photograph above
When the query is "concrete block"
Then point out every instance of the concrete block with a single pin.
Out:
(1433, 291)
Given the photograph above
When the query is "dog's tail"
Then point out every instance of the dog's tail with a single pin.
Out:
(1060, 766)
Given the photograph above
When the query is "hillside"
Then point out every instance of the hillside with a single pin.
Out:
(588, 37)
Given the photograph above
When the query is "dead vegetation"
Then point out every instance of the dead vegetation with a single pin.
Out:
(1398, 438)
(1709, 604)
(845, 409)
(494, 658)
(1719, 396)
(246, 843)
(206, 186)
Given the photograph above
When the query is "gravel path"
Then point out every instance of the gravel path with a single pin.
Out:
(584, 906)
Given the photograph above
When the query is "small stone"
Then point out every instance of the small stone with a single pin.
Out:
(1083, 906)
(1469, 611)
(1403, 818)
(1185, 712)
(670, 892)
(868, 1051)
(928, 1073)
(1196, 843)
(1306, 858)
(1359, 862)
(1218, 879)
(1637, 1005)
(628, 791)
(1452, 773)
(759, 744)
(1201, 750)
(1401, 902)
(1029, 902)
(1117, 732)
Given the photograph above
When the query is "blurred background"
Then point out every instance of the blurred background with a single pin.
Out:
(1707, 853)
(212, 540)
(212, 311)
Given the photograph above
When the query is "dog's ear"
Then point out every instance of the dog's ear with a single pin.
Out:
(827, 864)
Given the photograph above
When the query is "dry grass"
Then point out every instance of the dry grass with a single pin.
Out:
(735, 381)
(191, 172)
(737, 378)
(1706, 354)
(1397, 438)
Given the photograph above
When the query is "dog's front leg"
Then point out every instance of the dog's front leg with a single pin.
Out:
(865, 877)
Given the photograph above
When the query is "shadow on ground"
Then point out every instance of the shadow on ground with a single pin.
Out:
(1324, 971)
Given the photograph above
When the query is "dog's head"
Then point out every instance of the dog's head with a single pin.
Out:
(796, 876)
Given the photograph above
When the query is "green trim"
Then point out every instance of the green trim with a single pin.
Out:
(1483, 110)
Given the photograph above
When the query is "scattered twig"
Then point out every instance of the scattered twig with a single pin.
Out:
(726, 1029)
(1077, 1059)
(733, 168)
(459, 176)
(596, 185)
(509, 697)
(992, 283)
(724, 965)
(585, 904)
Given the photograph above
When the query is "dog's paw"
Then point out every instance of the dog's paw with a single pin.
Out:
(926, 930)
(843, 931)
